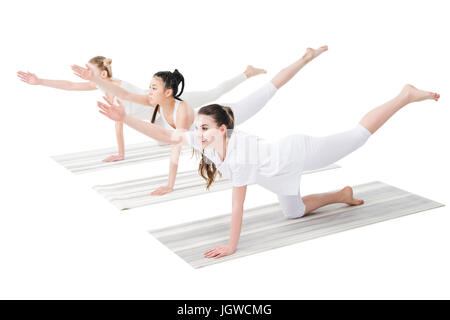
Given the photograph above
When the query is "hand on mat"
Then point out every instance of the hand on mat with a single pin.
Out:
(84, 73)
(116, 113)
(162, 190)
(220, 251)
(28, 77)
(114, 157)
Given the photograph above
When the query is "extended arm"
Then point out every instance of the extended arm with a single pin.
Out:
(117, 113)
(236, 225)
(31, 78)
(110, 87)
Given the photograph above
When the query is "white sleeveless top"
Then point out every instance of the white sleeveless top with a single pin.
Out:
(166, 124)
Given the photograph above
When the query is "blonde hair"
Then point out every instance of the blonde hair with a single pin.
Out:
(104, 64)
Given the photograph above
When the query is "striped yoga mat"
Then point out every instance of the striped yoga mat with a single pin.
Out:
(136, 193)
(88, 161)
(265, 228)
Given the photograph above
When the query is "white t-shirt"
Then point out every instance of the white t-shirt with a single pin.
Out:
(276, 166)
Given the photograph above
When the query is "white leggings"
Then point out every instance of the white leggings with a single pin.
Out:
(321, 152)
(197, 99)
(247, 107)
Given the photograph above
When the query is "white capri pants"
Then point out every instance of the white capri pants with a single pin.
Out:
(321, 152)
(247, 107)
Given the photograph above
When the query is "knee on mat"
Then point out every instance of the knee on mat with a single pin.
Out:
(295, 213)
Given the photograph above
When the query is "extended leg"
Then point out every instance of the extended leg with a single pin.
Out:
(375, 118)
(197, 99)
(290, 71)
(254, 102)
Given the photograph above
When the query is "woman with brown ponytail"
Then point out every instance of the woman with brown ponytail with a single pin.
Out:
(277, 166)
(175, 108)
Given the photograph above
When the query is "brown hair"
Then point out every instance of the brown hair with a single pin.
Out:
(171, 81)
(221, 115)
(103, 64)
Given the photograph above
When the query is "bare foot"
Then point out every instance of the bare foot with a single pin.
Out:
(314, 53)
(116, 157)
(414, 95)
(251, 71)
(347, 197)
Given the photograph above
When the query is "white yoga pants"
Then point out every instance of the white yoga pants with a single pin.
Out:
(197, 99)
(247, 107)
(321, 152)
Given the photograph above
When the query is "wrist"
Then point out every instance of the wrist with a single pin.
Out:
(232, 245)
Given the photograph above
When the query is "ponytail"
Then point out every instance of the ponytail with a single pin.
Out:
(179, 79)
(172, 80)
(154, 113)
(104, 64)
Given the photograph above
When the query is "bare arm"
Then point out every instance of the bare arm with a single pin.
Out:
(184, 120)
(110, 87)
(117, 113)
(31, 78)
(236, 216)
(236, 225)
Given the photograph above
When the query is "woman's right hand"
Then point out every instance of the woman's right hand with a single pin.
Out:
(112, 111)
(28, 77)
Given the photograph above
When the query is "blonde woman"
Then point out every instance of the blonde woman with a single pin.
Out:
(247, 159)
(102, 69)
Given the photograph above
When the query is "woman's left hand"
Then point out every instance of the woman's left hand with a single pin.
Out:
(220, 251)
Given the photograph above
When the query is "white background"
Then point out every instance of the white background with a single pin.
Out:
(59, 239)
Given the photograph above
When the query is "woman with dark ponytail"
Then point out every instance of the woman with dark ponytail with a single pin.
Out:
(277, 166)
(173, 108)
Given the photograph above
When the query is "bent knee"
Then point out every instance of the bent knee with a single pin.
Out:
(295, 212)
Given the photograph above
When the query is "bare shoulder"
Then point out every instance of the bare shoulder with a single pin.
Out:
(185, 108)
(185, 115)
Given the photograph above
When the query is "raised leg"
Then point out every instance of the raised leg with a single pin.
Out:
(290, 71)
(375, 118)
(197, 99)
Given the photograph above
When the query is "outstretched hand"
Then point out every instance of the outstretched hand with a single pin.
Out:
(84, 73)
(28, 77)
(112, 111)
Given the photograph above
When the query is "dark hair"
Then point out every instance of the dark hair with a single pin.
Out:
(172, 81)
(103, 64)
(222, 116)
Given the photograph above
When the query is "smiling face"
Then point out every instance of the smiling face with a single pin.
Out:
(158, 92)
(208, 132)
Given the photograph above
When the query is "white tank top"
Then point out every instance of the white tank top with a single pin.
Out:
(163, 119)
